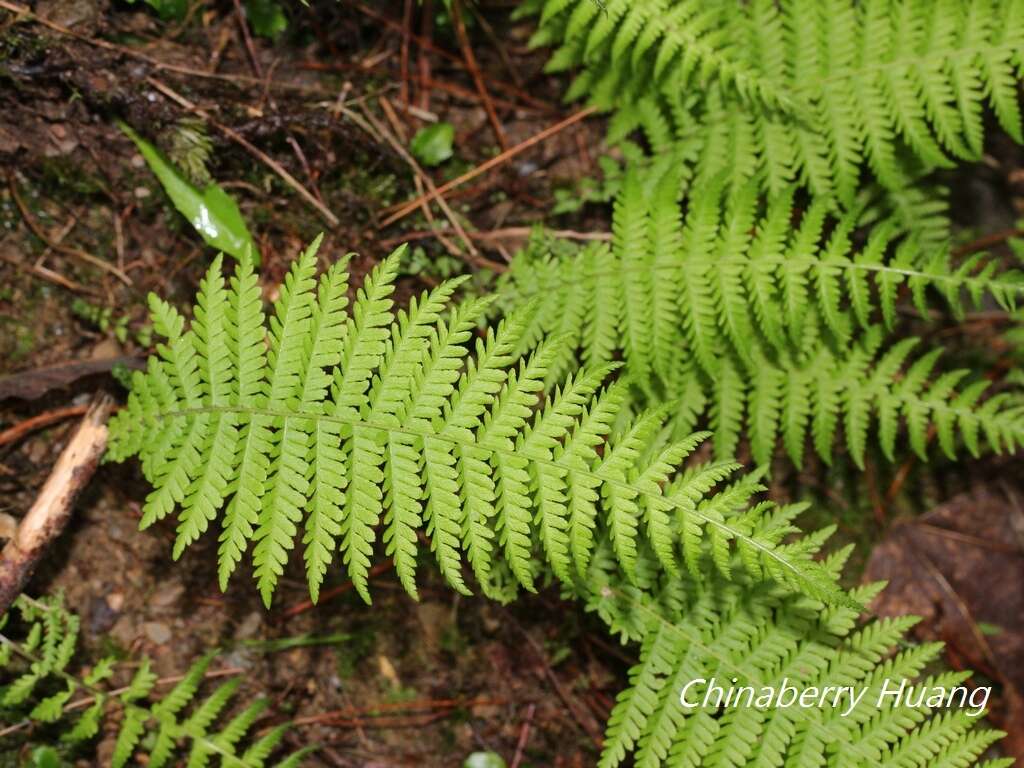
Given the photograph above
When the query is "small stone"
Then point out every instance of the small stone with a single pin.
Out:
(250, 626)
(141, 192)
(123, 632)
(167, 596)
(157, 632)
(101, 615)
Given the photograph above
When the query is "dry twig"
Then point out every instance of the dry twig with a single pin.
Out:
(52, 509)
(478, 78)
(412, 205)
(45, 419)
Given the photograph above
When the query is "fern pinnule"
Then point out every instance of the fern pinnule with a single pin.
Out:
(352, 421)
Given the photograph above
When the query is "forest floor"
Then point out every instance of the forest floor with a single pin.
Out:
(86, 232)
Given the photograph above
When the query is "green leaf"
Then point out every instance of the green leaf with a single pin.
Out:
(211, 211)
(45, 757)
(433, 145)
(484, 760)
(170, 10)
(266, 17)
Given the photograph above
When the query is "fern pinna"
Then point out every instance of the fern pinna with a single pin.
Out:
(41, 688)
(339, 423)
(757, 635)
(737, 313)
(802, 90)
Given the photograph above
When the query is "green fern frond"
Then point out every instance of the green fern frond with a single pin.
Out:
(755, 635)
(416, 434)
(683, 43)
(763, 323)
(873, 81)
(40, 685)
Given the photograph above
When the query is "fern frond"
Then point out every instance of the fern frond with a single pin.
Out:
(415, 431)
(732, 311)
(739, 634)
(802, 91)
(40, 684)
(673, 43)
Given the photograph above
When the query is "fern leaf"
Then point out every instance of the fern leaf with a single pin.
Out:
(491, 463)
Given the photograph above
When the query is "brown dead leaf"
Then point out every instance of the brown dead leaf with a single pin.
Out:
(29, 385)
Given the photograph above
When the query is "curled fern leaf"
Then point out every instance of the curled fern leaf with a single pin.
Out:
(353, 423)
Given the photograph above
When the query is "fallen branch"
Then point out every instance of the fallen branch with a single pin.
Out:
(51, 511)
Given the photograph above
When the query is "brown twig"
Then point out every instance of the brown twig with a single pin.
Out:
(959, 604)
(439, 85)
(426, 44)
(250, 48)
(52, 509)
(308, 605)
(982, 243)
(504, 233)
(74, 253)
(524, 735)
(474, 256)
(25, 12)
(474, 70)
(49, 275)
(412, 205)
(255, 151)
(403, 62)
(583, 719)
(19, 430)
(425, 41)
(381, 710)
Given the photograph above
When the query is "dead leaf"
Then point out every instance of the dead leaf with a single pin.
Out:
(961, 568)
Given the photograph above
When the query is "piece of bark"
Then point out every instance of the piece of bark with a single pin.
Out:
(51, 511)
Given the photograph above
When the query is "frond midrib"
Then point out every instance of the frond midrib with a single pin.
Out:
(811, 260)
(690, 508)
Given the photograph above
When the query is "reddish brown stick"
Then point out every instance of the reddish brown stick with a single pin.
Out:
(22, 428)
(478, 78)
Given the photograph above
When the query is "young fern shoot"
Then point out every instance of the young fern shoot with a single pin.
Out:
(340, 423)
